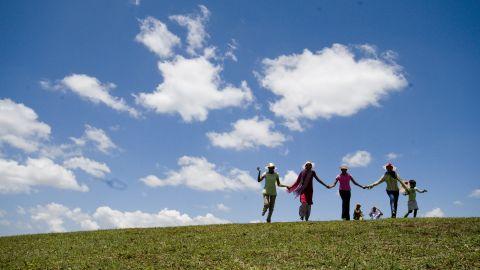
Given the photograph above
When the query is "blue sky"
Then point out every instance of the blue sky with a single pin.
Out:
(162, 110)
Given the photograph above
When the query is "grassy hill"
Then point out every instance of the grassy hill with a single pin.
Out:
(447, 243)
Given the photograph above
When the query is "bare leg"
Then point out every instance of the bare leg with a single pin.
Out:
(266, 203)
(270, 208)
(307, 214)
(302, 210)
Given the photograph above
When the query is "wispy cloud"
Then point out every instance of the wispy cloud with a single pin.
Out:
(91, 89)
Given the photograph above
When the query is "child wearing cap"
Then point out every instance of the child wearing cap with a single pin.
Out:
(270, 190)
(411, 191)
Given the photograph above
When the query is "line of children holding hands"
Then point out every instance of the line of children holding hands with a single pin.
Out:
(303, 187)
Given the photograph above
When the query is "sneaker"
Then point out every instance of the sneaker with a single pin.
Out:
(301, 218)
(268, 220)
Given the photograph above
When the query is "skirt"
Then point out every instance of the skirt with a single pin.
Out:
(412, 205)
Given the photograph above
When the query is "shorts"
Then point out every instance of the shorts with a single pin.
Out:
(412, 205)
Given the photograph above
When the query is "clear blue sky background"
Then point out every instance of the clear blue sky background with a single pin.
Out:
(433, 123)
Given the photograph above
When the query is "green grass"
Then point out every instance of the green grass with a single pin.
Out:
(447, 243)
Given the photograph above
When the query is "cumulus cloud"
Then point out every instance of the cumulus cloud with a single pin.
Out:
(436, 212)
(91, 89)
(223, 207)
(334, 81)
(98, 137)
(110, 218)
(87, 165)
(248, 133)
(54, 216)
(289, 178)
(357, 159)
(195, 25)
(198, 173)
(19, 178)
(192, 87)
(155, 36)
(475, 193)
(20, 127)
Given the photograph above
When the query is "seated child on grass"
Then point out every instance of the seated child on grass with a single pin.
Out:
(375, 213)
(357, 213)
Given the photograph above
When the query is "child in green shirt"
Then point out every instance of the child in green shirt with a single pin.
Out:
(411, 191)
(270, 190)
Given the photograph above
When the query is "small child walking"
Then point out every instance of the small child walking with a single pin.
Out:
(357, 212)
(270, 190)
(411, 191)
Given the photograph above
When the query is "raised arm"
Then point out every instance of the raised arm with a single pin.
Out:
(378, 182)
(320, 180)
(260, 178)
(355, 182)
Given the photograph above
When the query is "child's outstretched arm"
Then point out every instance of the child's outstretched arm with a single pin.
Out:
(420, 190)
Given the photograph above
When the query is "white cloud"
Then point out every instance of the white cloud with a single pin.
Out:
(223, 207)
(89, 166)
(458, 203)
(97, 136)
(255, 221)
(198, 173)
(91, 89)
(18, 178)
(289, 178)
(192, 87)
(392, 156)
(135, 2)
(330, 82)
(248, 133)
(54, 216)
(475, 193)
(155, 36)
(357, 159)
(437, 212)
(195, 25)
(110, 218)
(19, 126)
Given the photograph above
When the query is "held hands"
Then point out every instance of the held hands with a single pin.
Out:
(258, 169)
